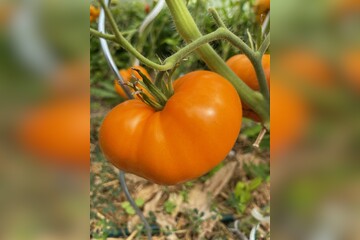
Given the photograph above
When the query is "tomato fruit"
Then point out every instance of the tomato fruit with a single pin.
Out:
(94, 13)
(350, 64)
(127, 75)
(289, 118)
(194, 132)
(262, 7)
(243, 68)
(58, 130)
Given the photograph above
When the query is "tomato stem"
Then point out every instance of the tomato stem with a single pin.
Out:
(127, 45)
(259, 138)
(188, 29)
(196, 42)
(159, 95)
(265, 45)
(217, 17)
(98, 34)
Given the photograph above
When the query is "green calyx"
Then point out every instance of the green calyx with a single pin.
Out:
(154, 94)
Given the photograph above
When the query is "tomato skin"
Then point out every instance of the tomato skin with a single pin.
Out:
(192, 134)
(243, 68)
(126, 75)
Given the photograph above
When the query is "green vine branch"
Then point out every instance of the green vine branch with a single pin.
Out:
(265, 45)
(106, 36)
(199, 43)
(217, 17)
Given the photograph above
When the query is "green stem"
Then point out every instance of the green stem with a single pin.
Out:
(261, 77)
(265, 45)
(110, 37)
(189, 31)
(192, 35)
(216, 17)
(98, 34)
(126, 45)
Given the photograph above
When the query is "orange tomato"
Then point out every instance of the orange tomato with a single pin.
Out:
(262, 7)
(192, 134)
(243, 68)
(307, 66)
(288, 118)
(71, 78)
(94, 13)
(350, 62)
(126, 75)
(58, 131)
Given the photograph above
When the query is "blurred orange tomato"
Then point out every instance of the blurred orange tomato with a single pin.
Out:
(350, 65)
(58, 131)
(288, 118)
(307, 66)
(72, 77)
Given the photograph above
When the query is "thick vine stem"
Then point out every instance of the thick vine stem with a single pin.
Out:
(255, 58)
(259, 70)
(261, 76)
(189, 31)
(196, 42)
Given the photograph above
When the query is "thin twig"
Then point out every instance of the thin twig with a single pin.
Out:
(265, 45)
(259, 138)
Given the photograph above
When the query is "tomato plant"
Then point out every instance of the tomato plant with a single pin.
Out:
(127, 74)
(243, 68)
(194, 131)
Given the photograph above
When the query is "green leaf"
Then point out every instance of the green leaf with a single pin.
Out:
(102, 93)
(128, 208)
(125, 204)
(255, 183)
(252, 131)
(108, 86)
(170, 41)
(139, 202)
(239, 189)
(169, 206)
(130, 211)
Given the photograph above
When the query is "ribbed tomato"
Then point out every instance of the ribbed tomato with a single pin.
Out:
(194, 131)
(243, 68)
(126, 74)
